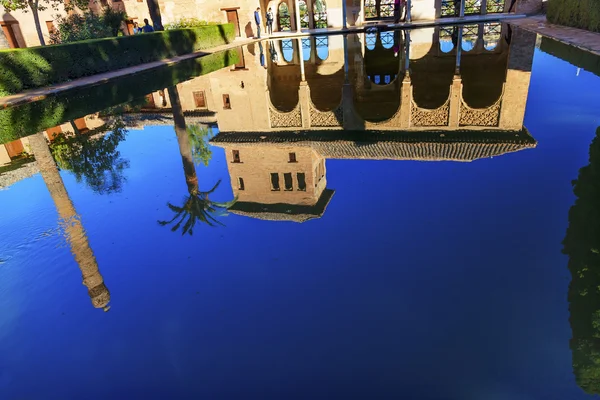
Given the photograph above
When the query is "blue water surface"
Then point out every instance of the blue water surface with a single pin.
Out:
(422, 280)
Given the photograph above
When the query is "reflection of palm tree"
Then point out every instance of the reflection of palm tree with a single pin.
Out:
(582, 245)
(75, 234)
(196, 206)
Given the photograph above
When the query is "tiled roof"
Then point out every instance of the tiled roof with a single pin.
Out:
(415, 145)
(281, 211)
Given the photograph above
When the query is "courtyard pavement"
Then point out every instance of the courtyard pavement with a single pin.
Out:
(582, 39)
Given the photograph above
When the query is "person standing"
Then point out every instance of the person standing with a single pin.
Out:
(136, 28)
(270, 18)
(147, 28)
(257, 20)
(399, 11)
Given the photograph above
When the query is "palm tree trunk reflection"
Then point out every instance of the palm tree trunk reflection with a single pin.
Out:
(196, 206)
(74, 231)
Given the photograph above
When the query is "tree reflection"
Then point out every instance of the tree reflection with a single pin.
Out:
(71, 222)
(582, 245)
(196, 206)
(92, 156)
(199, 136)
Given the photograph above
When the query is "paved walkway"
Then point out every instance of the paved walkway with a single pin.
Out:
(32, 95)
(582, 39)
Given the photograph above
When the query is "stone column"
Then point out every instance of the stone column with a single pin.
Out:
(408, 9)
(458, 50)
(462, 8)
(297, 12)
(480, 43)
(304, 98)
(483, 7)
(405, 101)
(455, 100)
(310, 9)
(301, 55)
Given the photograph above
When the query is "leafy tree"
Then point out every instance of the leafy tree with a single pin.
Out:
(88, 25)
(40, 5)
(582, 245)
(199, 136)
(196, 207)
(93, 156)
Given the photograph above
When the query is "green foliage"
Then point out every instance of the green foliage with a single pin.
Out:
(41, 5)
(199, 136)
(22, 69)
(86, 26)
(188, 23)
(584, 14)
(197, 208)
(17, 122)
(93, 156)
(581, 244)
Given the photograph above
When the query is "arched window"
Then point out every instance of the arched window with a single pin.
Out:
(285, 22)
(303, 13)
(472, 7)
(287, 49)
(446, 39)
(320, 14)
(495, 6)
(371, 39)
(322, 44)
(386, 8)
(491, 35)
(469, 37)
(387, 39)
(306, 47)
(377, 79)
(370, 9)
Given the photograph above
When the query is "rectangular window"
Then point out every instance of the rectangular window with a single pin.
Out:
(241, 185)
(275, 181)
(226, 102)
(200, 99)
(287, 181)
(292, 157)
(236, 156)
(301, 181)
(50, 26)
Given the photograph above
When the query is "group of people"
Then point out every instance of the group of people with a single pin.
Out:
(147, 28)
(258, 20)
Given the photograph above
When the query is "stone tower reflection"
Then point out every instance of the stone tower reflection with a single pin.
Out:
(71, 222)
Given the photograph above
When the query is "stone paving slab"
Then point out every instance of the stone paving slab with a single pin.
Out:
(33, 95)
(582, 39)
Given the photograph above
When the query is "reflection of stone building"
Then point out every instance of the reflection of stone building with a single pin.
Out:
(366, 97)
(19, 29)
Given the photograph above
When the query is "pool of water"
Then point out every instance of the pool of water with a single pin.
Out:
(386, 215)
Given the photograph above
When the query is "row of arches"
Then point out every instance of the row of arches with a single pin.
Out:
(451, 8)
(489, 34)
(288, 47)
(318, 13)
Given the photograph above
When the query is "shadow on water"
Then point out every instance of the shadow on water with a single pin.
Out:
(21, 121)
(580, 58)
(582, 245)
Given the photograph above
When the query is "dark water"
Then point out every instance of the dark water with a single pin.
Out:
(392, 269)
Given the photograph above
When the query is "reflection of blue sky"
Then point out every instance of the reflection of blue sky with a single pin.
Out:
(446, 45)
(322, 43)
(387, 39)
(468, 44)
(390, 284)
(306, 46)
(371, 39)
(287, 50)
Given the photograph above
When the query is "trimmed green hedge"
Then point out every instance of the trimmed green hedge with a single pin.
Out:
(584, 14)
(21, 121)
(22, 69)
